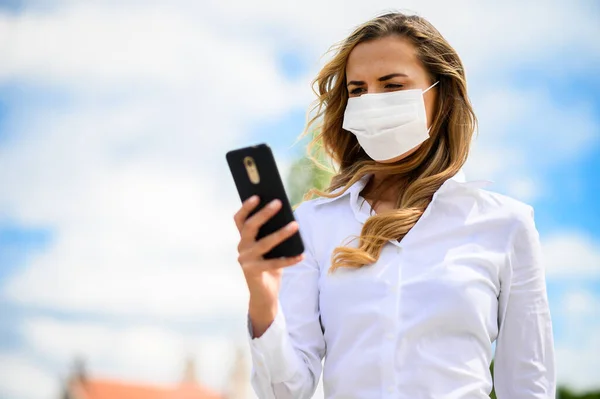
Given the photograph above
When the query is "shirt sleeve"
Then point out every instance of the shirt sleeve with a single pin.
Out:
(524, 366)
(286, 359)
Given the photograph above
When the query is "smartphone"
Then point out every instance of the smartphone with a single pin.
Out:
(255, 172)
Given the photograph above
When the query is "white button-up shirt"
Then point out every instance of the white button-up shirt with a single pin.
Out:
(420, 322)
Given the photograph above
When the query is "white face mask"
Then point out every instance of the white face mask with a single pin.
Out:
(388, 125)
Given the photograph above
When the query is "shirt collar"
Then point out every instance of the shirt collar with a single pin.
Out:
(457, 181)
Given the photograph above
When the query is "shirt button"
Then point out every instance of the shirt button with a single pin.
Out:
(389, 336)
(391, 389)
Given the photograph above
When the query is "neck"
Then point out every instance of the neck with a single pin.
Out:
(378, 189)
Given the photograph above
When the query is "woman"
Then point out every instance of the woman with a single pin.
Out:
(410, 273)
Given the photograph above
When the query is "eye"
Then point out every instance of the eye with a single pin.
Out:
(393, 86)
(356, 91)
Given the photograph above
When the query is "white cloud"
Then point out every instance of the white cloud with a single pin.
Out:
(522, 133)
(192, 38)
(572, 259)
(529, 120)
(579, 337)
(581, 304)
(140, 241)
(144, 353)
(25, 379)
(480, 31)
(578, 362)
(524, 189)
(132, 173)
(147, 51)
(571, 254)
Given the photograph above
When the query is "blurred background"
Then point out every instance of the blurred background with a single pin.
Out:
(118, 270)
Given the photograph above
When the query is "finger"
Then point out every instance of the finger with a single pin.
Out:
(271, 264)
(269, 242)
(242, 214)
(253, 223)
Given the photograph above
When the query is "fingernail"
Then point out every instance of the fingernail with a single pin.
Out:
(274, 204)
(291, 226)
(254, 198)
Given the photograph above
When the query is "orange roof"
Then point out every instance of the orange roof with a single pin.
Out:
(106, 389)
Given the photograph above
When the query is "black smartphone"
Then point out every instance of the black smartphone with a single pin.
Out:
(255, 172)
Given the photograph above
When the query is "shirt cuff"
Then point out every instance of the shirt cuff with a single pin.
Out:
(273, 353)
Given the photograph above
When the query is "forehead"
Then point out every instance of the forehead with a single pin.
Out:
(383, 56)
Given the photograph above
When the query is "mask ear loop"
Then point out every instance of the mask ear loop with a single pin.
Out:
(427, 89)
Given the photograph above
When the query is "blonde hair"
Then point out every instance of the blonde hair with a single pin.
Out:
(416, 177)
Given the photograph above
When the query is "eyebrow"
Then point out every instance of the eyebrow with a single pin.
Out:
(381, 79)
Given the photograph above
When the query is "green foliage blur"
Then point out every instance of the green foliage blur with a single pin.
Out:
(304, 175)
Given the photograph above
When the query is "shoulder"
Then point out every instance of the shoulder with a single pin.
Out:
(518, 215)
(510, 207)
(519, 229)
(476, 203)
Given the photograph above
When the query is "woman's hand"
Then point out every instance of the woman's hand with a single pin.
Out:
(263, 276)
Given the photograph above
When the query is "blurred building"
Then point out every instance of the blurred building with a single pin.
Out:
(81, 385)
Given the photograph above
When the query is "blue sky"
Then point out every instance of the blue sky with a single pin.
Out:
(115, 200)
